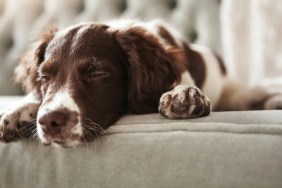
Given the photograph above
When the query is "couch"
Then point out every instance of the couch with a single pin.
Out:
(225, 149)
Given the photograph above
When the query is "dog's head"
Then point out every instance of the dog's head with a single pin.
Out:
(88, 75)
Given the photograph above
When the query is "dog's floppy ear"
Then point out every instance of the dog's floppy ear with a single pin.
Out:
(26, 71)
(149, 67)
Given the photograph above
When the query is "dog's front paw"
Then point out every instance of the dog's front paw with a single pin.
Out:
(17, 122)
(184, 102)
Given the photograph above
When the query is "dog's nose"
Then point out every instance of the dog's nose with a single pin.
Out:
(53, 122)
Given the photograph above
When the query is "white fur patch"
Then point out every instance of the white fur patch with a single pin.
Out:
(60, 35)
(65, 31)
(31, 103)
(41, 134)
(84, 28)
(186, 79)
(214, 81)
(62, 99)
(179, 91)
(21, 111)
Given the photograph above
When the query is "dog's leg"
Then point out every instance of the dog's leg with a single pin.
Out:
(238, 97)
(18, 120)
(184, 102)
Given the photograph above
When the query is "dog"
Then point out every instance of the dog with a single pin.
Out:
(82, 79)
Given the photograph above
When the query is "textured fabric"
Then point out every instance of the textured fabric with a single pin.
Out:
(149, 151)
(179, 154)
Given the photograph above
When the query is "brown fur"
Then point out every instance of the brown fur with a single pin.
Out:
(221, 64)
(195, 65)
(151, 71)
(165, 34)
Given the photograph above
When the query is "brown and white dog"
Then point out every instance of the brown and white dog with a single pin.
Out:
(84, 78)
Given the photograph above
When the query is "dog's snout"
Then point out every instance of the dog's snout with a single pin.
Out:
(53, 122)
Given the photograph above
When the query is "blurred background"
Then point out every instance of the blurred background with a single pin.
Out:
(246, 33)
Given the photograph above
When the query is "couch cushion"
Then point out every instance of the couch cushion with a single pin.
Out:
(149, 151)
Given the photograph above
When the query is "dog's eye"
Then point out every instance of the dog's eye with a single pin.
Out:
(44, 78)
(95, 69)
(98, 74)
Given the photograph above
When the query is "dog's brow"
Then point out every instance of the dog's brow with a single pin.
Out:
(49, 67)
(95, 64)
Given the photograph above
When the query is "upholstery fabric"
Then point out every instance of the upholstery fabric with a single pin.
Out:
(164, 154)
(226, 149)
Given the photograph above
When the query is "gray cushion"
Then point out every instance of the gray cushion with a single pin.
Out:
(149, 151)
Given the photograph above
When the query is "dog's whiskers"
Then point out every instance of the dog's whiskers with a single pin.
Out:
(91, 137)
(96, 125)
(87, 147)
(92, 131)
(34, 133)
(27, 129)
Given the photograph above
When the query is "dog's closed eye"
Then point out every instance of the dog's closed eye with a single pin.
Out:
(95, 70)
(98, 74)
(44, 78)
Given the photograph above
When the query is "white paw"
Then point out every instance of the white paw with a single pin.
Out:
(18, 121)
(184, 102)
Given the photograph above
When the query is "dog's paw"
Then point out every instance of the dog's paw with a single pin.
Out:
(17, 122)
(184, 102)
